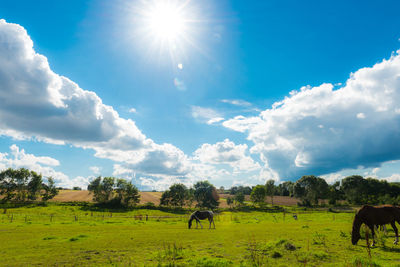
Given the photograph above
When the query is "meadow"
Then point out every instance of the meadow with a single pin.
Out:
(72, 235)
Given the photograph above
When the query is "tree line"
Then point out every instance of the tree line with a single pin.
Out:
(23, 185)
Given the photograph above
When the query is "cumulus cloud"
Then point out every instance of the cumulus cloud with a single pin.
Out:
(226, 152)
(95, 170)
(36, 103)
(18, 158)
(323, 129)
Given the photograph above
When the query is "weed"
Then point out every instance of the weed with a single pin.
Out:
(362, 262)
(212, 262)
(49, 238)
(276, 254)
(319, 239)
(321, 255)
(256, 254)
(343, 234)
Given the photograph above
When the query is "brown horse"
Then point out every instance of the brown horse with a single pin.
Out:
(201, 215)
(372, 216)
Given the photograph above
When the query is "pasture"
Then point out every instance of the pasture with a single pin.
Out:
(72, 235)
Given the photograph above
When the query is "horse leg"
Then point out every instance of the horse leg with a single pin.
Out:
(372, 233)
(200, 224)
(209, 220)
(396, 232)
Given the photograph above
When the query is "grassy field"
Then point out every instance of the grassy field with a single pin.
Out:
(77, 235)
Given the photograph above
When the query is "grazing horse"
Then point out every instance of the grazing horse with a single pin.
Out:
(372, 216)
(201, 215)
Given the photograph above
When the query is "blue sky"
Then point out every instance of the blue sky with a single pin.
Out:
(238, 92)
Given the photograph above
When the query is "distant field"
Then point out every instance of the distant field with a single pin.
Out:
(61, 235)
(84, 195)
(154, 197)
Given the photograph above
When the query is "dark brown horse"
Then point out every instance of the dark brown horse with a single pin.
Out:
(372, 216)
(201, 215)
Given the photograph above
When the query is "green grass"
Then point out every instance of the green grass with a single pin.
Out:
(71, 236)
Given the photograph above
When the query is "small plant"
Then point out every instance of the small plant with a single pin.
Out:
(211, 262)
(361, 262)
(256, 255)
(343, 234)
(290, 246)
(319, 239)
(276, 254)
(170, 254)
(321, 255)
(49, 238)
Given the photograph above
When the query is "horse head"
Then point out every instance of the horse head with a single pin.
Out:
(355, 233)
(190, 223)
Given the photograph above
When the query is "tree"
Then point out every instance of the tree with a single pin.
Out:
(108, 190)
(310, 188)
(165, 198)
(239, 198)
(175, 196)
(285, 189)
(258, 194)
(355, 189)
(190, 197)
(50, 189)
(102, 189)
(21, 185)
(229, 201)
(334, 193)
(127, 193)
(178, 194)
(270, 190)
(206, 195)
(34, 186)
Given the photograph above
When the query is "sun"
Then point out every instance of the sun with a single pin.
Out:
(166, 21)
(167, 28)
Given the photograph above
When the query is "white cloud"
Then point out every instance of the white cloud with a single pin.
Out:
(36, 103)
(361, 115)
(393, 178)
(132, 110)
(236, 102)
(214, 120)
(95, 170)
(291, 141)
(18, 158)
(226, 152)
(207, 115)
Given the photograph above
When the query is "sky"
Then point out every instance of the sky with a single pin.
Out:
(179, 91)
